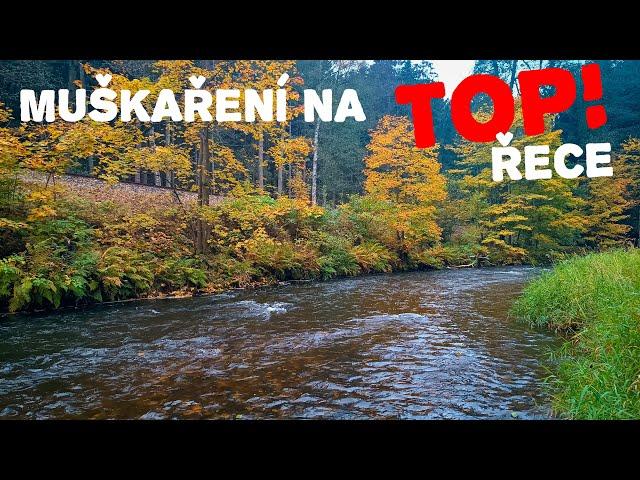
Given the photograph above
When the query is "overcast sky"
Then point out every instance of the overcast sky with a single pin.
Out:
(452, 72)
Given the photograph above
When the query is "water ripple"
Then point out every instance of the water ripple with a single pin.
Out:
(414, 345)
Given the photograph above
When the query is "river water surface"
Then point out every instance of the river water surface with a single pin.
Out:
(412, 345)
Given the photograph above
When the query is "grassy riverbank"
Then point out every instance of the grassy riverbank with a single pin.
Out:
(595, 301)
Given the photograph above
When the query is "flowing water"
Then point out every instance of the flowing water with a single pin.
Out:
(411, 345)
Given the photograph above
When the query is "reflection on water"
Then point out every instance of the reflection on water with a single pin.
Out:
(411, 345)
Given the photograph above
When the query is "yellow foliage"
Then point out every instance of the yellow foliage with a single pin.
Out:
(290, 151)
(397, 170)
(229, 174)
(409, 178)
(164, 159)
(12, 151)
(517, 216)
(300, 190)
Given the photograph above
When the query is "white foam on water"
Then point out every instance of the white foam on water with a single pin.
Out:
(263, 310)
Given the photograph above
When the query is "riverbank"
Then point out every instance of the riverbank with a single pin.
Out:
(255, 287)
(73, 247)
(68, 245)
(594, 302)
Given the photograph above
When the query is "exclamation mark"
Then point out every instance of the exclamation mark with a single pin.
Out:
(592, 80)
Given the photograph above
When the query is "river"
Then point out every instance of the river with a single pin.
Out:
(435, 344)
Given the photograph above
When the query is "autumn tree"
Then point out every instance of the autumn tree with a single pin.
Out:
(12, 154)
(261, 75)
(165, 148)
(407, 179)
(606, 211)
(292, 152)
(629, 168)
(172, 75)
(229, 176)
(55, 147)
(518, 219)
(12, 151)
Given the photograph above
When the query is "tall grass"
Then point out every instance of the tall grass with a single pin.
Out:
(594, 301)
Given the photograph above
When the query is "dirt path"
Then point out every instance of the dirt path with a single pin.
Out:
(102, 190)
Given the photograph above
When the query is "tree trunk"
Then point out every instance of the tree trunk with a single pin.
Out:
(201, 229)
(314, 168)
(514, 69)
(81, 75)
(212, 167)
(138, 175)
(260, 163)
(71, 76)
(157, 180)
(280, 180)
(203, 191)
(167, 142)
(496, 70)
(281, 171)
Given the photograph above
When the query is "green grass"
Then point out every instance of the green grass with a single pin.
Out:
(594, 301)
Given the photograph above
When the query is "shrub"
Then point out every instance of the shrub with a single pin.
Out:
(124, 273)
(10, 273)
(334, 256)
(338, 263)
(58, 267)
(373, 257)
(180, 273)
(270, 256)
(232, 272)
(369, 219)
(429, 258)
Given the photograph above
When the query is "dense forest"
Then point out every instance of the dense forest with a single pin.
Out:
(301, 200)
